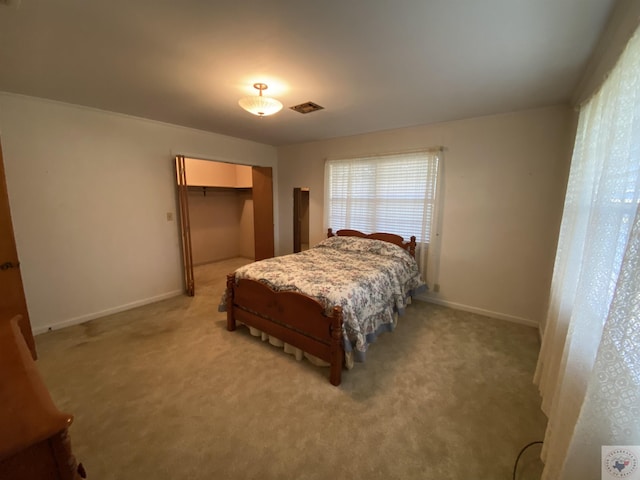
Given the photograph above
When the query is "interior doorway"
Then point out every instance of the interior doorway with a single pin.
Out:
(226, 211)
(300, 219)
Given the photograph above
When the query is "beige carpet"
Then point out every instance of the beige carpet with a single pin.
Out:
(165, 392)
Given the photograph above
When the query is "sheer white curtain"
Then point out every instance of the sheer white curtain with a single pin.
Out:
(588, 370)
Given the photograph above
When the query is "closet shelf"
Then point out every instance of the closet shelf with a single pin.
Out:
(204, 188)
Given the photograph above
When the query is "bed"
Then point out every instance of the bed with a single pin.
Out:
(331, 300)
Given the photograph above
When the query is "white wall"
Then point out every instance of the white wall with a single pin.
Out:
(504, 183)
(89, 193)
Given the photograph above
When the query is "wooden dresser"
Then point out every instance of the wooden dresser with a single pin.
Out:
(34, 442)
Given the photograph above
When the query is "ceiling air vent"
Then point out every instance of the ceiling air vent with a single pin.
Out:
(306, 107)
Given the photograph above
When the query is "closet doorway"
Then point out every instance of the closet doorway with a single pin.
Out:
(226, 211)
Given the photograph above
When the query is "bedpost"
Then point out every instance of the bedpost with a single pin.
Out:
(231, 321)
(412, 246)
(337, 352)
(329, 232)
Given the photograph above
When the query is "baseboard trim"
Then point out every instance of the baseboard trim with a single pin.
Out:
(479, 311)
(175, 293)
(104, 313)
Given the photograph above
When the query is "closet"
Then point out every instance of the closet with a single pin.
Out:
(226, 211)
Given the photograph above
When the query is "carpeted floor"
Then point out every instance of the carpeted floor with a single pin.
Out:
(165, 392)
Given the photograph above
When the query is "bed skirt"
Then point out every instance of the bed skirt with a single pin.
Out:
(300, 354)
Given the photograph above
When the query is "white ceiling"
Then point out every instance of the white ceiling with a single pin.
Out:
(373, 64)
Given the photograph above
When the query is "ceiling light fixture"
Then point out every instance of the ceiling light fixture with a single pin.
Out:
(259, 105)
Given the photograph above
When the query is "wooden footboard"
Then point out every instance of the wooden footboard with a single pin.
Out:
(292, 317)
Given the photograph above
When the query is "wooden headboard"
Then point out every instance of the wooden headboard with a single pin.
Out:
(410, 246)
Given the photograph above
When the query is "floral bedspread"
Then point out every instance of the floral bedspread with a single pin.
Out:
(370, 279)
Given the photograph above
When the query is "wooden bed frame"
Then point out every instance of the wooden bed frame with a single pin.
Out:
(295, 318)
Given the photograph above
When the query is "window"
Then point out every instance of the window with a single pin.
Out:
(387, 193)
(589, 365)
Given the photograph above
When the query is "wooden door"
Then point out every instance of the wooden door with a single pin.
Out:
(185, 227)
(263, 212)
(12, 299)
(297, 220)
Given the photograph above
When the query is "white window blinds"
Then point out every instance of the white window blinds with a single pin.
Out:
(393, 193)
